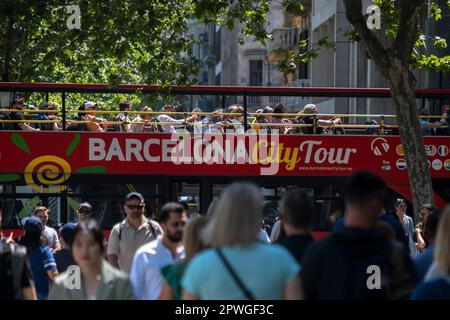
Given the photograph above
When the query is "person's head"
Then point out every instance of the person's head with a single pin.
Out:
(425, 210)
(309, 109)
(238, 112)
(84, 211)
(90, 106)
(296, 209)
(279, 108)
(169, 108)
(217, 115)
(364, 194)
(134, 205)
(86, 244)
(53, 106)
(431, 226)
(192, 241)
(237, 217)
(124, 106)
(18, 103)
(172, 219)
(42, 213)
(268, 109)
(67, 231)
(442, 242)
(258, 115)
(400, 206)
(33, 228)
(146, 109)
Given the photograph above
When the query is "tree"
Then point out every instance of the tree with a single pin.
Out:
(401, 23)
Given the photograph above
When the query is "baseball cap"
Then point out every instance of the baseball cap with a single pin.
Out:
(89, 104)
(67, 231)
(134, 195)
(32, 225)
(85, 206)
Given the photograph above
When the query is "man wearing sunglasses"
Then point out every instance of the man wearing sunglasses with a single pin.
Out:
(130, 234)
(84, 212)
(146, 276)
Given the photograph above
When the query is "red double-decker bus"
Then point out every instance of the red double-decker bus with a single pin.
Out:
(62, 169)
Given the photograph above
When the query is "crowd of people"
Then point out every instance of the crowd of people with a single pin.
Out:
(172, 119)
(370, 254)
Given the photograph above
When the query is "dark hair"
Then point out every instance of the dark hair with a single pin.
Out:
(297, 207)
(123, 105)
(431, 226)
(185, 205)
(427, 206)
(91, 226)
(364, 186)
(168, 208)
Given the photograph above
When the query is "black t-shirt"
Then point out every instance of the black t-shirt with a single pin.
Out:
(16, 116)
(7, 291)
(297, 245)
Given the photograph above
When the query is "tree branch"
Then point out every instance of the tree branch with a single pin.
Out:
(373, 46)
(407, 29)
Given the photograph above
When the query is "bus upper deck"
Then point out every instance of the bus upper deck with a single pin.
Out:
(62, 169)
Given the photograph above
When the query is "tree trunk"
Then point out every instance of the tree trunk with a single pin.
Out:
(7, 51)
(403, 86)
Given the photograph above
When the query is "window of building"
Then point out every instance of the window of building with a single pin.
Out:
(256, 72)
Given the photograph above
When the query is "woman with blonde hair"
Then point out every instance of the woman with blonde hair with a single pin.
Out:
(307, 117)
(193, 244)
(437, 282)
(232, 269)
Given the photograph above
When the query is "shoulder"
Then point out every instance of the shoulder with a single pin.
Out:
(432, 290)
(148, 248)
(117, 227)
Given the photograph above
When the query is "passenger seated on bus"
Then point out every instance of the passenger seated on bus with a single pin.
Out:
(141, 122)
(216, 122)
(426, 124)
(295, 128)
(95, 123)
(372, 131)
(177, 123)
(260, 119)
(124, 126)
(278, 120)
(18, 104)
(47, 116)
(71, 126)
(199, 125)
(235, 122)
(309, 110)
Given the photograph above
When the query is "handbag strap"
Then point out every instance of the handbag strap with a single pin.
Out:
(233, 273)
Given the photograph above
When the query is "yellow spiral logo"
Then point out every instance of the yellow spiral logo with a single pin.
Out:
(49, 171)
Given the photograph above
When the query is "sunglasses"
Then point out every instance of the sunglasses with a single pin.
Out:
(136, 207)
(84, 211)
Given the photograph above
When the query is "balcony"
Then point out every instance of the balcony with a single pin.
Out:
(283, 38)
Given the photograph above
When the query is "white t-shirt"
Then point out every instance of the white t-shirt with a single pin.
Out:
(50, 236)
(167, 127)
(146, 276)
